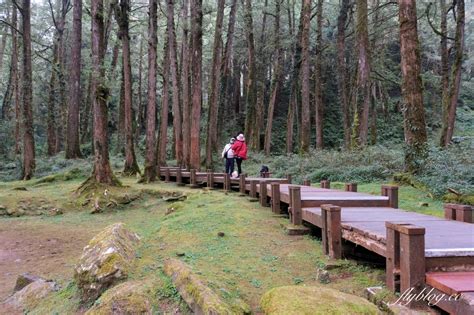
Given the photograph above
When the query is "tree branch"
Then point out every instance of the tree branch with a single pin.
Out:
(12, 27)
(437, 32)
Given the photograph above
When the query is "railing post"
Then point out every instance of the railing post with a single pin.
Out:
(405, 256)
(179, 176)
(332, 239)
(192, 177)
(226, 182)
(351, 187)
(306, 182)
(325, 184)
(242, 184)
(210, 178)
(288, 178)
(391, 192)
(263, 194)
(167, 175)
(295, 205)
(253, 189)
(276, 198)
(462, 213)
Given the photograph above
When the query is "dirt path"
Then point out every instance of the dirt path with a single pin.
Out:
(46, 250)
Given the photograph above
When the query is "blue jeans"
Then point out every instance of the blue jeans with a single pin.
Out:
(229, 165)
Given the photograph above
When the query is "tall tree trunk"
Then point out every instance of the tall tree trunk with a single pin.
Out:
(451, 98)
(251, 83)
(261, 77)
(213, 108)
(150, 144)
(444, 54)
(122, 14)
(196, 15)
(3, 40)
(163, 134)
(319, 110)
(15, 80)
(342, 71)
(141, 117)
(72, 144)
(27, 81)
(85, 131)
(412, 90)
(102, 172)
(51, 120)
(305, 74)
(176, 106)
(186, 86)
(227, 93)
(275, 82)
(362, 101)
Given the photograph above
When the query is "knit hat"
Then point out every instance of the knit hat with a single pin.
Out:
(241, 137)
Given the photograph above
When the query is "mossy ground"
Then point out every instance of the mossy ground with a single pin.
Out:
(254, 255)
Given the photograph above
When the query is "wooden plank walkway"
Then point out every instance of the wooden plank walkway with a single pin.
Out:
(365, 225)
(412, 243)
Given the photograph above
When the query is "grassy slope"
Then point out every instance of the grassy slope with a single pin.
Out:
(254, 255)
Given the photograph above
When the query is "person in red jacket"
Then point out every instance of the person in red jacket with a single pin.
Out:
(240, 151)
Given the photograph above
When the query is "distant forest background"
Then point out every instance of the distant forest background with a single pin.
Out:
(151, 82)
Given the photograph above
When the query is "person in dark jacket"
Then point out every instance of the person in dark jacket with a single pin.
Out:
(240, 151)
(228, 155)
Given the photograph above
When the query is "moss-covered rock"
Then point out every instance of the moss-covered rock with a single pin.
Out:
(131, 297)
(199, 297)
(105, 261)
(301, 300)
(31, 295)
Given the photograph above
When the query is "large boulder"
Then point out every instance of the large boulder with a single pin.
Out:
(105, 261)
(131, 297)
(311, 300)
(199, 297)
(31, 295)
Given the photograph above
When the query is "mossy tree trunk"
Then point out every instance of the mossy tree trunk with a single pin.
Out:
(412, 89)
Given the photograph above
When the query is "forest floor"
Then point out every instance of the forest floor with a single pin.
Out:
(254, 255)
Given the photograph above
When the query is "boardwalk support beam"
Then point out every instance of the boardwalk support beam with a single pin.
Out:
(296, 216)
(226, 182)
(462, 213)
(253, 189)
(351, 187)
(288, 178)
(276, 198)
(392, 193)
(263, 193)
(179, 177)
(167, 175)
(325, 184)
(306, 182)
(192, 178)
(210, 178)
(331, 230)
(242, 184)
(405, 257)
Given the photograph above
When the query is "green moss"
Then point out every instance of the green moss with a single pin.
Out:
(301, 300)
(460, 199)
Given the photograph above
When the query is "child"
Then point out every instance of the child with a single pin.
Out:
(228, 155)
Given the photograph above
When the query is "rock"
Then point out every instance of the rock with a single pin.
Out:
(322, 275)
(199, 297)
(221, 234)
(16, 212)
(21, 188)
(131, 297)
(3, 208)
(105, 261)
(23, 280)
(170, 210)
(31, 295)
(423, 204)
(56, 211)
(295, 300)
(174, 198)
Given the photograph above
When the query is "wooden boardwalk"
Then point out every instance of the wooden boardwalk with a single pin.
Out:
(419, 249)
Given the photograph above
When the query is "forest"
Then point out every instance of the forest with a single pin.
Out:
(99, 97)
